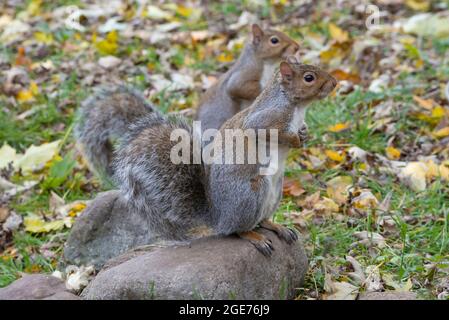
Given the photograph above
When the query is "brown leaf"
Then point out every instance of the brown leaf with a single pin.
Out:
(292, 187)
(4, 214)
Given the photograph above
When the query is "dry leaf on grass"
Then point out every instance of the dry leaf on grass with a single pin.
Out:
(339, 290)
(338, 189)
(370, 238)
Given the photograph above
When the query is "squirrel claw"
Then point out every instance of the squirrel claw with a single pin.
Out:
(289, 235)
(303, 134)
(261, 242)
(265, 247)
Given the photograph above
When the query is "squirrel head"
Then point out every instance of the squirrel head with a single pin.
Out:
(272, 44)
(304, 83)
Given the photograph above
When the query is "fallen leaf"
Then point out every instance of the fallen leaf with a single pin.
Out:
(427, 25)
(326, 206)
(78, 277)
(341, 75)
(109, 45)
(337, 33)
(373, 282)
(338, 127)
(425, 103)
(109, 62)
(7, 155)
(366, 237)
(292, 187)
(414, 176)
(334, 155)
(357, 153)
(365, 200)
(418, 5)
(441, 133)
(155, 13)
(358, 276)
(36, 156)
(342, 291)
(36, 224)
(337, 189)
(393, 153)
(4, 214)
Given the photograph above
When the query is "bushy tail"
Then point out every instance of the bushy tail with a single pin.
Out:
(102, 120)
(170, 195)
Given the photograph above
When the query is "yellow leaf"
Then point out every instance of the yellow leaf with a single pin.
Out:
(34, 8)
(337, 33)
(444, 170)
(365, 200)
(418, 5)
(191, 13)
(35, 224)
(7, 155)
(43, 37)
(338, 127)
(441, 133)
(34, 88)
(112, 36)
(184, 11)
(334, 155)
(76, 209)
(438, 112)
(326, 206)
(432, 170)
(37, 156)
(393, 153)
(24, 96)
(109, 45)
(225, 57)
(337, 188)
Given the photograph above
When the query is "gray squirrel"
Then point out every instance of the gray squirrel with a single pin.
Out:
(243, 82)
(187, 201)
(106, 115)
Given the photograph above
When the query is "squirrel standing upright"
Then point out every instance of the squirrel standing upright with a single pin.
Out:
(185, 201)
(106, 115)
(242, 83)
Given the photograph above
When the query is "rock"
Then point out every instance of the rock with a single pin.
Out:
(109, 62)
(208, 268)
(37, 287)
(388, 295)
(105, 229)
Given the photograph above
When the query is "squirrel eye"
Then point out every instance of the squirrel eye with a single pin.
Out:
(308, 77)
(274, 40)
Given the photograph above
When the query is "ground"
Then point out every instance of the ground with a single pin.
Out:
(369, 191)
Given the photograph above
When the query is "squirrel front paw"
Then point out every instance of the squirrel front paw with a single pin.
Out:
(303, 133)
(287, 234)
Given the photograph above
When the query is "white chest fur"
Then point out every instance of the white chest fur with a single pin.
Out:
(297, 120)
(274, 181)
(267, 73)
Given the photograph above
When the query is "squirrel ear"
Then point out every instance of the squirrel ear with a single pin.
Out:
(286, 72)
(257, 33)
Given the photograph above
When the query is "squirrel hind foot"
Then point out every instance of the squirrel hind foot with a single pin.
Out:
(261, 242)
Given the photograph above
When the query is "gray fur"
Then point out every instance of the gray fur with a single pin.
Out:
(171, 196)
(103, 119)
